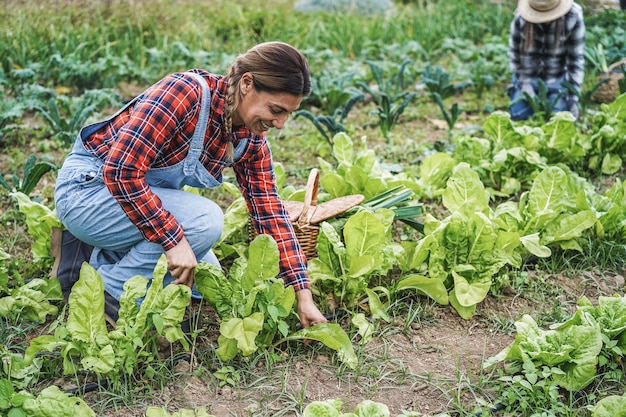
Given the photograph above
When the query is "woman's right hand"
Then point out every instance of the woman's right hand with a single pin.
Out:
(181, 262)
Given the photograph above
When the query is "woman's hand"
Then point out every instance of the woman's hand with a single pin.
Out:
(181, 262)
(307, 310)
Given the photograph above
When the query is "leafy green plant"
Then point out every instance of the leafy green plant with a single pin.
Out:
(4, 273)
(610, 406)
(333, 408)
(391, 95)
(40, 220)
(10, 111)
(550, 214)
(570, 353)
(463, 252)
(87, 346)
(34, 300)
(329, 126)
(437, 82)
(342, 272)
(329, 92)
(50, 402)
(33, 172)
(541, 104)
(530, 390)
(227, 375)
(610, 316)
(66, 123)
(585, 97)
(480, 78)
(608, 142)
(357, 171)
(254, 305)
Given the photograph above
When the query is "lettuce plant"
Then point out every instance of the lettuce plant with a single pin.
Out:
(86, 344)
(358, 171)
(256, 307)
(342, 272)
(459, 256)
(573, 350)
(33, 301)
(610, 316)
(332, 408)
(611, 406)
(40, 221)
(608, 139)
(51, 402)
(553, 212)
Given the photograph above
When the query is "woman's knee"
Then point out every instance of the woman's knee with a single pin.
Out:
(206, 220)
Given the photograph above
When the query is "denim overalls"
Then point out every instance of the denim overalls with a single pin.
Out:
(88, 210)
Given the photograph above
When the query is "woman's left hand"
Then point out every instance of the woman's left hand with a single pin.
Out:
(307, 310)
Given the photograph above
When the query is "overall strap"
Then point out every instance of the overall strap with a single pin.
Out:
(197, 141)
(88, 130)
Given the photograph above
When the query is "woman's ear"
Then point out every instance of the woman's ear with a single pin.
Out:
(246, 83)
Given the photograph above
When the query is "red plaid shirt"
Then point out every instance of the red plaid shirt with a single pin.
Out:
(156, 132)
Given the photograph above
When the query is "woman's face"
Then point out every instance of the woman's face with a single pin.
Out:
(261, 111)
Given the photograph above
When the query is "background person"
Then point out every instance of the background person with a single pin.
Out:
(119, 188)
(546, 43)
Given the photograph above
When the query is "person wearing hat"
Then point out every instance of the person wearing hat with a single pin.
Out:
(547, 43)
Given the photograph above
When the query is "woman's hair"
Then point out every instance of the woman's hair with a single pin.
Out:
(276, 67)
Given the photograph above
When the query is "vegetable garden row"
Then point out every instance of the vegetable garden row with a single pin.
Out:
(450, 215)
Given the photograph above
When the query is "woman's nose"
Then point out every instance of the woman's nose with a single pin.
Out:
(279, 122)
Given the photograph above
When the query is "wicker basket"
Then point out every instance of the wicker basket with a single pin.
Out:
(306, 216)
(607, 92)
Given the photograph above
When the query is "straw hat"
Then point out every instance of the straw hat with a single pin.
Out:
(542, 11)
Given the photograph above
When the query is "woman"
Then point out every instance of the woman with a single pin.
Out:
(119, 188)
(547, 43)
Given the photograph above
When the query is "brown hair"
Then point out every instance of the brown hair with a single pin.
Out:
(276, 67)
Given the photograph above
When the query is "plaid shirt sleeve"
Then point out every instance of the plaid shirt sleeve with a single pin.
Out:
(157, 118)
(576, 46)
(258, 184)
(515, 40)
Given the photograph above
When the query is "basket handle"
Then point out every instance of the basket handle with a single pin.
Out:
(616, 64)
(310, 196)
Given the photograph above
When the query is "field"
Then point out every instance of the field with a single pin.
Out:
(483, 275)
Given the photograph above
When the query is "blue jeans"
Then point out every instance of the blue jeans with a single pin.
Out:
(87, 208)
(520, 108)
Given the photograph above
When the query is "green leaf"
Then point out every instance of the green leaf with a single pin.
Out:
(328, 408)
(531, 243)
(611, 163)
(85, 321)
(433, 288)
(469, 294)
(611, 406)
(52, 402)
(465, 193)
(369, 408)
(263, 261)
(365, 328)
(244, 331)
(334, 337)
(364, 234)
